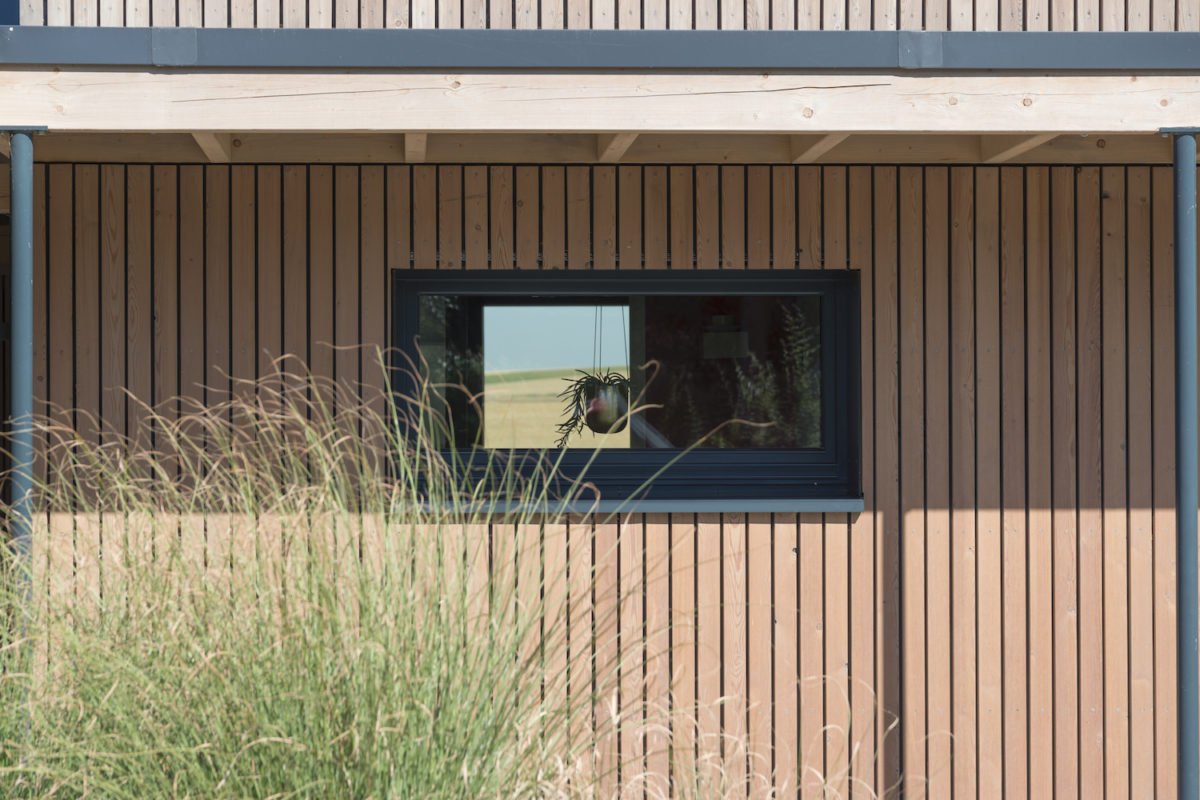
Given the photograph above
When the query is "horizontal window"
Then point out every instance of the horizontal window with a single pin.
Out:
(670, 385)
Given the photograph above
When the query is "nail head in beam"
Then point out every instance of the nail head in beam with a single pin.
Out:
(807, 149)
(611, 147)
(217, 147)
(415, 145)
(998, 149)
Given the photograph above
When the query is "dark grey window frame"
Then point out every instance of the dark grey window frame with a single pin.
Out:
(824, 479)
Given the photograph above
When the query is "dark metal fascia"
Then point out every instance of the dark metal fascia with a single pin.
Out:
(568, 50)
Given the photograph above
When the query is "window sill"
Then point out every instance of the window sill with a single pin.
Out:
(840, 505)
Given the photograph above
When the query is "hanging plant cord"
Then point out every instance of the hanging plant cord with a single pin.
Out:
(590, 384)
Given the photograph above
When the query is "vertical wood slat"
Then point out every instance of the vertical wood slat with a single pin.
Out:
(1039, 433)
(1014, 509)
(938, 478)
(1017, 351)
(217, 296)
(1090, 476)
(989, 589)
(760, 620)
(347, 273)
(656, 634)
(112, 300)
(1115, 518)
(838, 623)
(243, 275)
(787, 750)
(864, 691)
(41, 338)
(733, 653)
(322, 291)
(1065, 519)
(1162, 336)
(1140, 438)
(912, 462)
(886, 480)
(963, 522)
(1008, 15)
(710, 567)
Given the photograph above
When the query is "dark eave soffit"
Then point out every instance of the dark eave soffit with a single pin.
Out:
(561, 50)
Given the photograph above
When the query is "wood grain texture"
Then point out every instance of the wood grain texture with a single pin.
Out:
(1010, 590)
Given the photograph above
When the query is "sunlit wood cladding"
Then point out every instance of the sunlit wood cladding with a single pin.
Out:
(581, 149)
(1017, 554)
(652, 14)
(361, 102)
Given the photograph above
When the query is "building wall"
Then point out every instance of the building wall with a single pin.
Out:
(1009, 591)
(1006, 15)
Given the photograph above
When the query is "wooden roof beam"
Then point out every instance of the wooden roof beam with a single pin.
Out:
(217, 147)
(809, 149)
(999, 149)
(184, 101)
(611, 147)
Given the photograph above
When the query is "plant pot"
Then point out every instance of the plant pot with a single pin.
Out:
(606, 408)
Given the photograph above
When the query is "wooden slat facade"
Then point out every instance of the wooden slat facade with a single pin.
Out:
(934, 15)
(1009, 592)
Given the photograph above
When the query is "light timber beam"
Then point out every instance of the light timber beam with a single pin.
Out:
(185, 101)
(998, 149)
(807, 149)
(217, 147)
(611, 147)
(415, 147)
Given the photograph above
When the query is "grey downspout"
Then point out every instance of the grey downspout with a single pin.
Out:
(1186, 467)
(21, 339)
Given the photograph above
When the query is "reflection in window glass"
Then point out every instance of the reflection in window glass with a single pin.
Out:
(754, 360)
(719, 371)
(532, 354)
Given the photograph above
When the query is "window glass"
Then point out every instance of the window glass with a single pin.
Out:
(638, 372)
(533, 357)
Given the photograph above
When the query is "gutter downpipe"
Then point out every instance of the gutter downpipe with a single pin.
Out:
(1187, 462)
(21, 340)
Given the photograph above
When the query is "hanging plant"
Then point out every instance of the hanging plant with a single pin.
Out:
(597, 401)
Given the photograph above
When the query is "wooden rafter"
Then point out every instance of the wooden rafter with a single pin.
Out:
(416, 147)
(998, 149)
(809, 149)
(217, 147)
(611, 147)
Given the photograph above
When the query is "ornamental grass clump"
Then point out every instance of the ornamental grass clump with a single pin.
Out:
(292, 592)
(287, 594)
